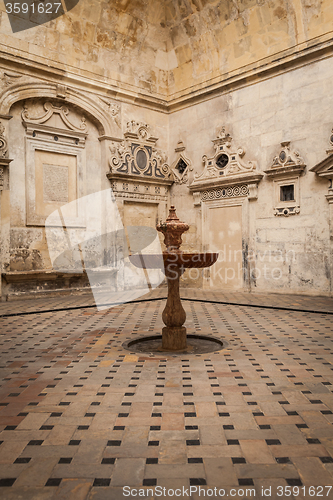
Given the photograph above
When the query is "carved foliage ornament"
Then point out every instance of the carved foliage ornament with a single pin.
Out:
(137, 155)
(113, 109)
(3, 142)
(50, 110)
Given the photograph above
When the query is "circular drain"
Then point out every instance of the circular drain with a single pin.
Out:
(197, 344)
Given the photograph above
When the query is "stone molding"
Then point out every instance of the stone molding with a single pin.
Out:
(3, 142)
(104, 114)
(292, 58)
(226, 173)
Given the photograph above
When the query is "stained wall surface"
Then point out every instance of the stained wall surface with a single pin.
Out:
(177, 71)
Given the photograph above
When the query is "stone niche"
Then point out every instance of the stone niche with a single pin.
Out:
(54, 160)
(223, 194)
(48, 141)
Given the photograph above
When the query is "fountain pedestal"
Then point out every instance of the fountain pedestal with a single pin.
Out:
(174, 315)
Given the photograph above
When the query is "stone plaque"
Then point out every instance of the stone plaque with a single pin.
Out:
(55, 183)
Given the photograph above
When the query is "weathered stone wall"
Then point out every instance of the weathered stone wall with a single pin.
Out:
(170, 47)
(290, 253)
(185, 67)
(213, 38)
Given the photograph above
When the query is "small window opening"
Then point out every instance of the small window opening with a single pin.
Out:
(181, 166)
(287, 193)
(222, 161)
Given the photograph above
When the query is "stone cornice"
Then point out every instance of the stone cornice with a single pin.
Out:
(325, 167)
(249, 178)
(290, 59)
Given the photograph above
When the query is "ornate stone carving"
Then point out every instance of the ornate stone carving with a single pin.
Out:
(114, 110)
(3, 142)
(8, 78)
(226, 174)
(228, 192)
(286, 163)
(285, 172)
(136, 191)
(137, 155)
(286, 211)
(226, 162)
(50, 110)
(182, 166)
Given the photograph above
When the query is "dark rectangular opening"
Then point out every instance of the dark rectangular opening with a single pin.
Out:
(287, 193)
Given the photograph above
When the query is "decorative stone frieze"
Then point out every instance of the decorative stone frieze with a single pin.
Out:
(137, 162)
(228, 192)
(226, 174)
(38, 127)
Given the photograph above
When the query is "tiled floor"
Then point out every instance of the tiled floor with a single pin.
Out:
(80, 417)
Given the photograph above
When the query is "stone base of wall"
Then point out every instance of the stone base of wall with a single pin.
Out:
(32, 284)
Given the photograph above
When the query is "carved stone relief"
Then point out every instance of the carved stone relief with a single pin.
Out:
(226, 174)
(114, 110)
(137, 159)
(56, 136)
(182, 166)
(50, 110)
(286, 163)
(285, 171)
(4, 160)
(9, 78)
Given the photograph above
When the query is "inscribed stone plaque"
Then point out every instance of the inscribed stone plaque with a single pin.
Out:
(55, 183)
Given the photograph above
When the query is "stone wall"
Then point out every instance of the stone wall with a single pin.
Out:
(170, 48)
(289, 253)
(260, 68)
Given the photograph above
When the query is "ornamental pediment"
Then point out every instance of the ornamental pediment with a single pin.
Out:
(286, 163)
(325, 167)
(137, 156)
(53, 116)
(227, 166)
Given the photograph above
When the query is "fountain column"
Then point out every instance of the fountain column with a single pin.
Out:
(174, 316)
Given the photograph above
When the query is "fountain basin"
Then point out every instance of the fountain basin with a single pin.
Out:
(179, 259)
